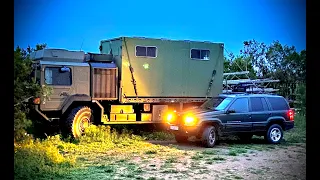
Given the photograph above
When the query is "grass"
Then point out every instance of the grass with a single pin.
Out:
(298, 133)
(103, 153)
(197, 156)
(61, 158)
(236, 151)
(158, 136)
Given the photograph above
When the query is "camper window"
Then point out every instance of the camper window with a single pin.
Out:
(200, 54)
(146, 51)
(54, 76)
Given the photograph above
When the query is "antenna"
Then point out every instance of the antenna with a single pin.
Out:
(81, 44)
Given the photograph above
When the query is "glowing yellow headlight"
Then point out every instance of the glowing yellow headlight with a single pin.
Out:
(189, 121)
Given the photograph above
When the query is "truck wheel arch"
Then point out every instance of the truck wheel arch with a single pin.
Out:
(69, 103)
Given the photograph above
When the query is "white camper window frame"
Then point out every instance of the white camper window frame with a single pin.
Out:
(202, 59)
(146, 56)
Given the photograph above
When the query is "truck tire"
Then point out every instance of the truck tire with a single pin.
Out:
(181, 139)
(274, 134)
(209, 136)
(78, 119)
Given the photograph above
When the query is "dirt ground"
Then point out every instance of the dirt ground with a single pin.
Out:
(278, 162)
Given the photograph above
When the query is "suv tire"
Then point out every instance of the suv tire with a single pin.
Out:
(181, 139)
(78, 119)
(209, 136)
(274, 134)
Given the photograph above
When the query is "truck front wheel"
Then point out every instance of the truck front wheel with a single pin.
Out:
(78, 119)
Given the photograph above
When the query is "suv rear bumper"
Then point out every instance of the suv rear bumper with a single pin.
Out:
(288, 125)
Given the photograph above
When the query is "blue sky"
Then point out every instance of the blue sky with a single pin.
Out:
(72, 24)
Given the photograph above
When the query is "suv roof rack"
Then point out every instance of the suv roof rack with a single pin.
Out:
(236, 85)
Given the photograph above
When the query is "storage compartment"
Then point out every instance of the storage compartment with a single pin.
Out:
(146, 116)
(158, 112)
(122, 109)
(104, 83)
(122, 117)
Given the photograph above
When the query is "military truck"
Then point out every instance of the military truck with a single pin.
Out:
(132, 80)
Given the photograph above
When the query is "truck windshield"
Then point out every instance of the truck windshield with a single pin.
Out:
(216, 103)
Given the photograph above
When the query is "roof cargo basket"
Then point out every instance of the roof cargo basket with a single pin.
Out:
(57, 55)
(94, 57)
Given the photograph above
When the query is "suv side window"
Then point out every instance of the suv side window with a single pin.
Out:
(258, 104)
(278, 103)
(53, 76)
(240, 105)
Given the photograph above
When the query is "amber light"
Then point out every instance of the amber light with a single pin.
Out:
(36, 100)
(190, 120)
(170, 116)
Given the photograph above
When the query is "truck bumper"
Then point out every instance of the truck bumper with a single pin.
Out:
(183, 130)
(288, 125)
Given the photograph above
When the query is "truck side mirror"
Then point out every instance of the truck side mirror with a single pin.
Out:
(230, 111)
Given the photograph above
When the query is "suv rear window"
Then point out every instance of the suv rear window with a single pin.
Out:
(278, 103)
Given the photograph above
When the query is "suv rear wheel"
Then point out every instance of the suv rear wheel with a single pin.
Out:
(209, 136)
(274, 134)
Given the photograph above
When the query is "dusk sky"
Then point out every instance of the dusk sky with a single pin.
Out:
(75, 24)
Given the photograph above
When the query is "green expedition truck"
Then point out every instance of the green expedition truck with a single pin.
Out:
(132, 80)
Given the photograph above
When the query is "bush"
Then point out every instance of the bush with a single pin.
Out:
(25, 87)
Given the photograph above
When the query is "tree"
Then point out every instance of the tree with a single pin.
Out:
(25, 87)
(277, 61)
(240, 64)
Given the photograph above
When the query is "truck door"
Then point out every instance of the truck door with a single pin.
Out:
(239, 120)
(59, 78)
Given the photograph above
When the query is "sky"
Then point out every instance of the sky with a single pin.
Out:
(82, 24)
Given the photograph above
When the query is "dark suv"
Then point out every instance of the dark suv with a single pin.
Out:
(244, 115)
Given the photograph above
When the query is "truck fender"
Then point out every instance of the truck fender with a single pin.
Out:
(74, 98)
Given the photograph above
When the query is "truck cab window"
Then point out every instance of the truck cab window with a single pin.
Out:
(54, 76)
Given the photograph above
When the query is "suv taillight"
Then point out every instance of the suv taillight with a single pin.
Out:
(291, 114)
